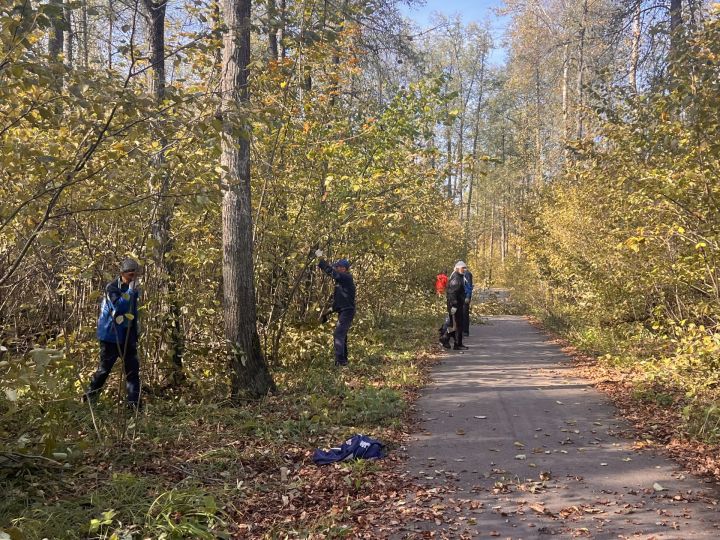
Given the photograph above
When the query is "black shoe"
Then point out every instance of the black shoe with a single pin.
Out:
(445, 343)
(341, 364)
(460, 348)
(466, 334)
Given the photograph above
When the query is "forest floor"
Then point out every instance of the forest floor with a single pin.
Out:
(508, 440)
(513, 443)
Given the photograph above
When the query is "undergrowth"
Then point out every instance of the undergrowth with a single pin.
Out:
(197, 466)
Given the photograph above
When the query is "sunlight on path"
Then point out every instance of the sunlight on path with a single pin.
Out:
(515, 447)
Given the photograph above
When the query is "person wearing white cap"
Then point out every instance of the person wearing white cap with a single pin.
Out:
(455, 294)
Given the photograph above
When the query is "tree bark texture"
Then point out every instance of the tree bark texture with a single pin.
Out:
(635, 49)
(156, 38)
(581, 71)
(272, 30)
(169, 307)
(55, 36)
(676, 23)
(249, 374)
(68, 40)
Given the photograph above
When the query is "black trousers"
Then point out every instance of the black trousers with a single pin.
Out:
(466, 318)
(340, 336)
(109, 353)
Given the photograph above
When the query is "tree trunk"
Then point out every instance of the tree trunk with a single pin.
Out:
(85, 35)
(111, 27)
(283, 28)
(538, 122)
(156, 38)
(565, 79)
(675, 26)
(55, 43)
(55, 35)
(476, 136)
(68, 41)
(169, 306)
(492, 243)
(249, 375)
(272, 30)
(581, 70)
(635, 50)
(503, 234)
(449, 163)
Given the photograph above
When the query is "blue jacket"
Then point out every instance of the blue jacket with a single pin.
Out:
(468, 284)
(344, 295)
(119, 302)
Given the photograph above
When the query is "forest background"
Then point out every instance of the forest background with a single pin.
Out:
(222, 143)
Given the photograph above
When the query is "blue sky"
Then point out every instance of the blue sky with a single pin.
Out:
(469, 10)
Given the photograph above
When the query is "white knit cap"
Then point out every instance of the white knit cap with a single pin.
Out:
(460, 264)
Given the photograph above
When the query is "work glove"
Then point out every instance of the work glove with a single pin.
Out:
(453, 310)
(319, 253)
(467, 300)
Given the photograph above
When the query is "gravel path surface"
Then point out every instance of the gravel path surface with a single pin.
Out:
(512, 446)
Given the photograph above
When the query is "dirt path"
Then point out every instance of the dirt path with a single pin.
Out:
(512, 446)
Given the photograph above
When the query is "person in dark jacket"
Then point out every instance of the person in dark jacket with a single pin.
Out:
(468, 298)
(343, 304)
(455, 295)
(117, 331)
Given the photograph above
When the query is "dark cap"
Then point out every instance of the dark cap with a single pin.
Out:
(342, 262)
(129, 265)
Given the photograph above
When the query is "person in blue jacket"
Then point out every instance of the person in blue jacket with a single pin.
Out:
(468, 298)
(343, 303)
(117, 331)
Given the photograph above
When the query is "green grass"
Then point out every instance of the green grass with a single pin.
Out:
(185, 466)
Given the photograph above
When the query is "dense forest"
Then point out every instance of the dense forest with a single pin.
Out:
(220, 144)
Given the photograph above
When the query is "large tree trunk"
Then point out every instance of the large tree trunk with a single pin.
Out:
(156, 38)
(249, 374)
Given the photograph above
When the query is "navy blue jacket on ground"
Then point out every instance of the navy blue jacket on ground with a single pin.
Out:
(356, 447)
(118, 314)
(344, 295)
